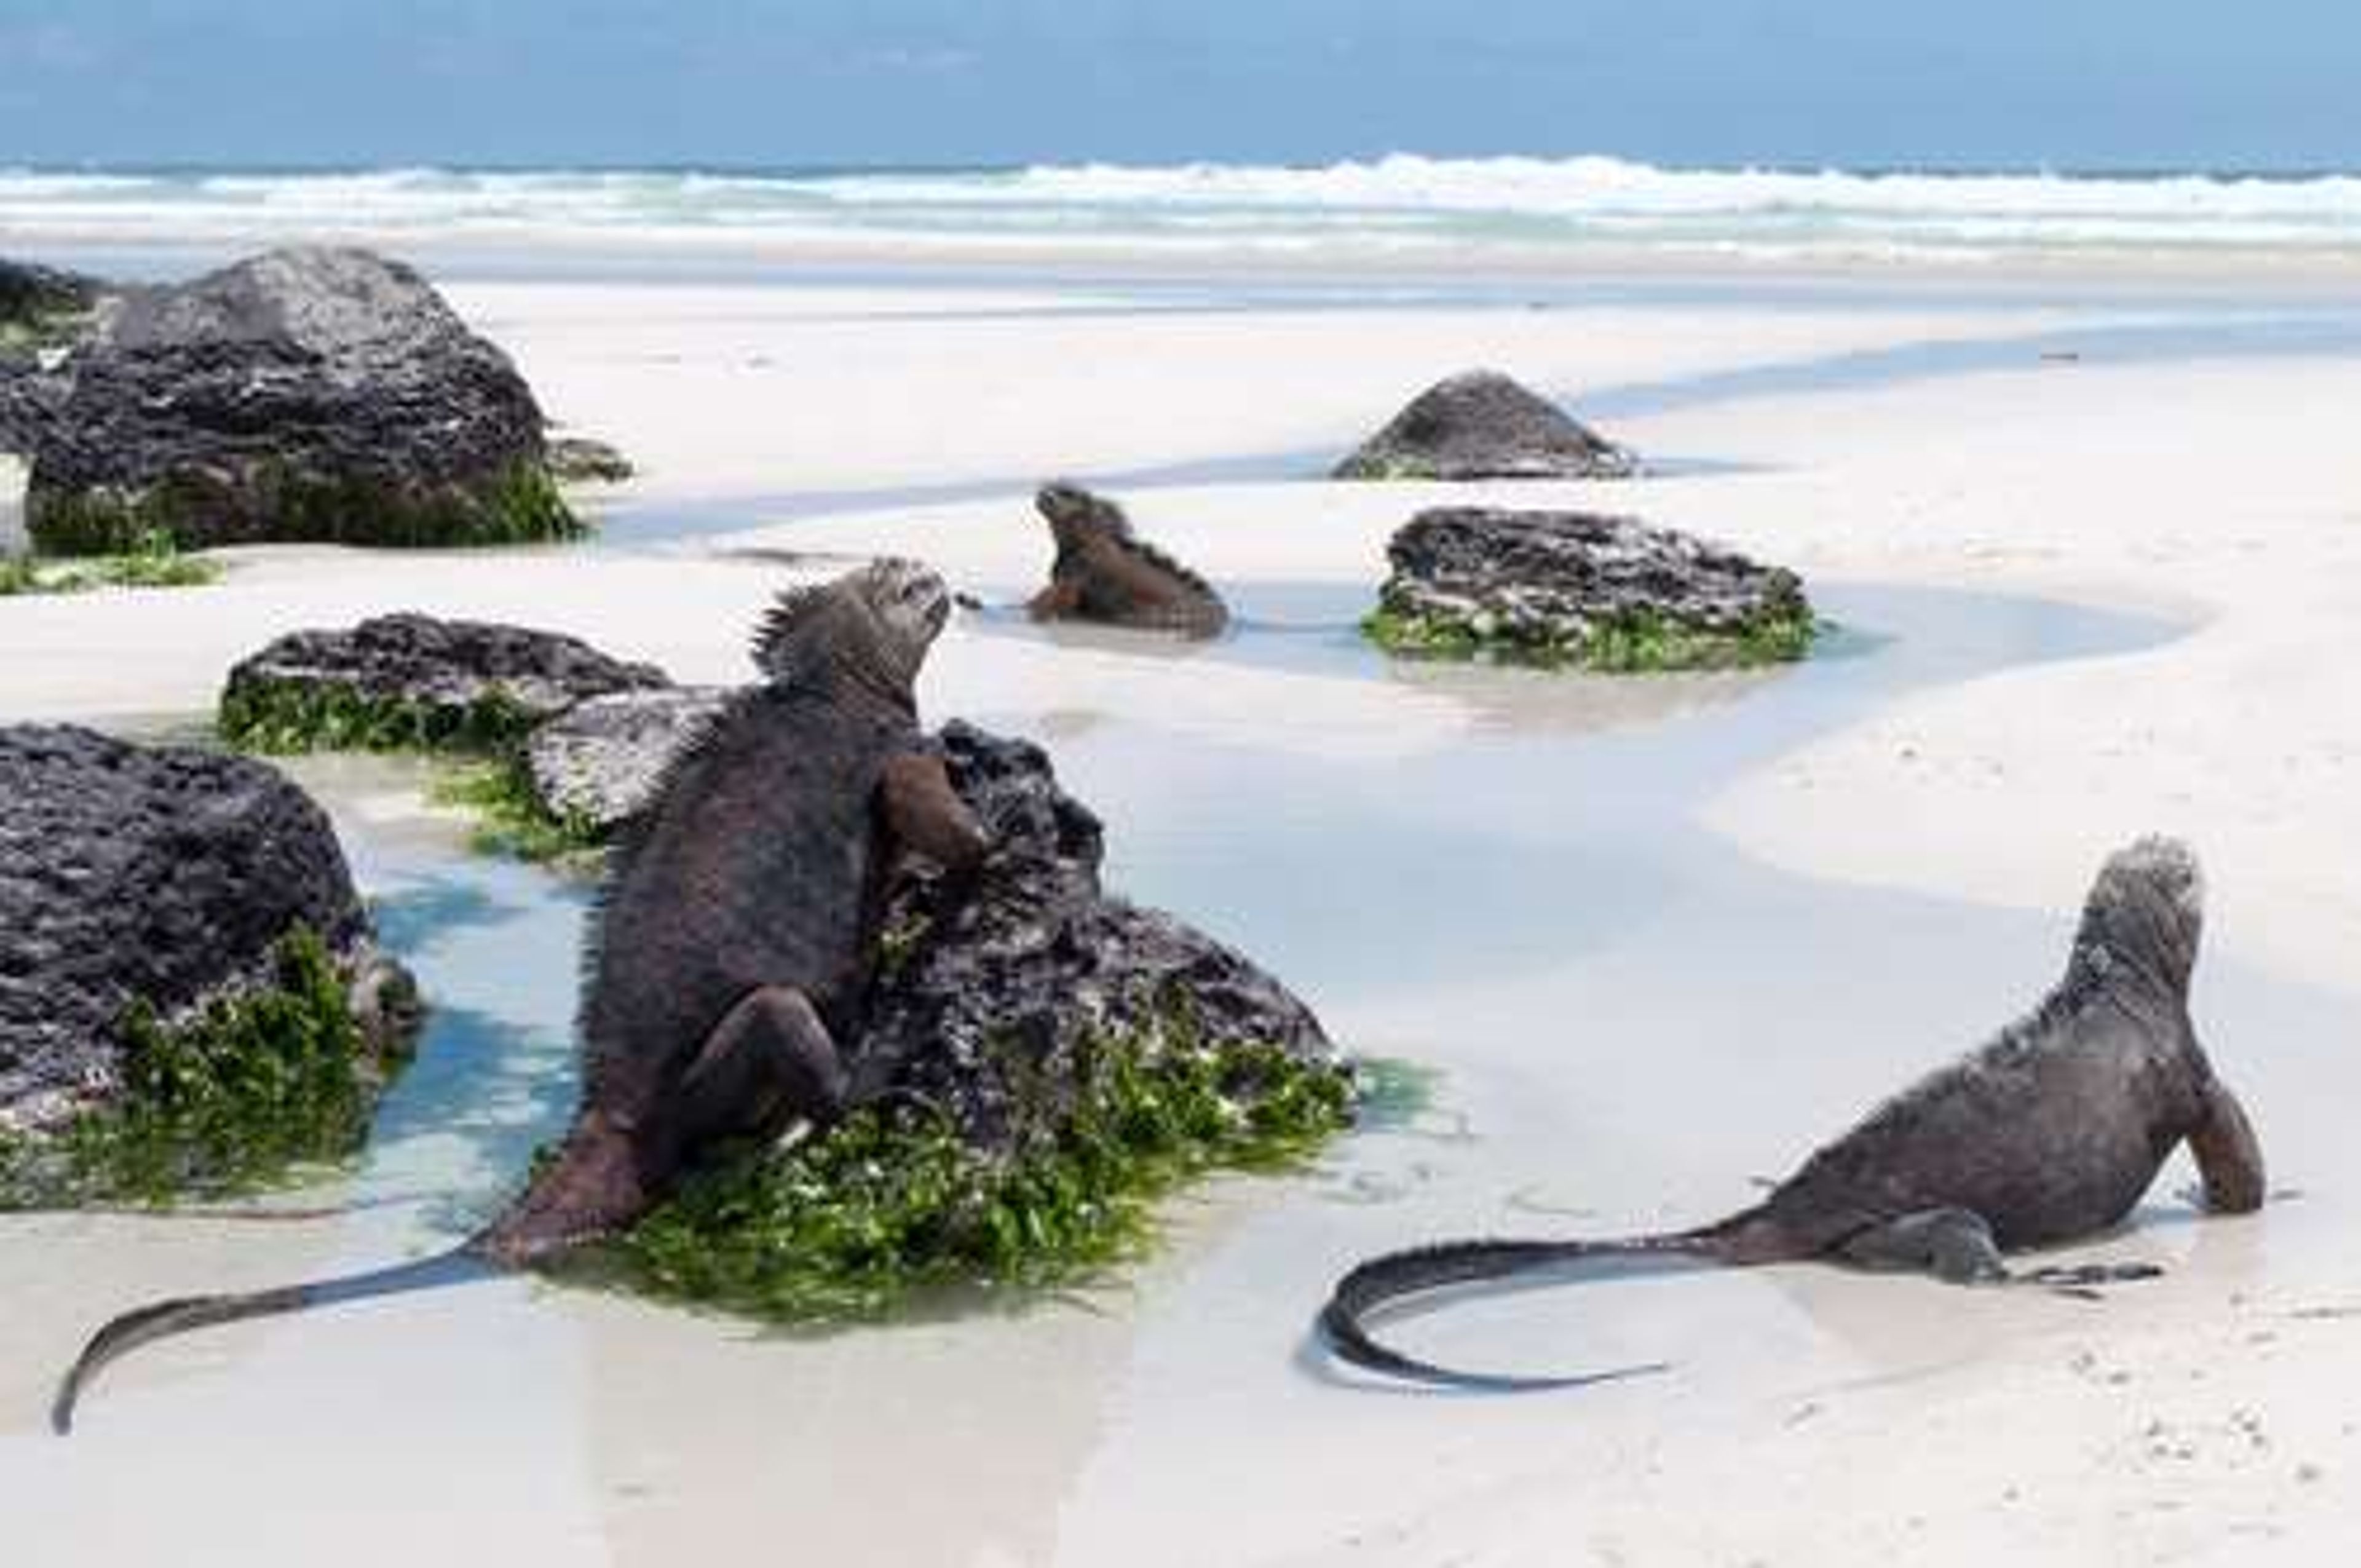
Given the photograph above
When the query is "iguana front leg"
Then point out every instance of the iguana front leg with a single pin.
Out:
(1057, 601)
(924, 813)
(2229, 1156)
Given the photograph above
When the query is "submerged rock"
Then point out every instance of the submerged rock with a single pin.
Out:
(306, 394)
(597, 765)
(1105, 573)
(413, 682)
(141, 884)
(1562, 587)
(1483, 426)
(993, 989)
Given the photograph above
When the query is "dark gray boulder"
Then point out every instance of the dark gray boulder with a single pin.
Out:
(415, 682)
(158, 877)
(306, 394)
(991, 984)
(596, 765)
(1483, 426)
(1562, 587)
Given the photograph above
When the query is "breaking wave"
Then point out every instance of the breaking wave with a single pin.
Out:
(1394, 205)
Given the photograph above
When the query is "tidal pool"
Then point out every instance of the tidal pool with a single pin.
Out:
(1629, 1021)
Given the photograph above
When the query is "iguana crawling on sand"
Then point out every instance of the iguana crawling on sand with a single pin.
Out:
(1104, 572)
(732, 944)
(2049, 1133)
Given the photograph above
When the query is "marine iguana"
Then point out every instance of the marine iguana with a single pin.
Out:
(1104, 572)
(731, 946)
(2049, 1133)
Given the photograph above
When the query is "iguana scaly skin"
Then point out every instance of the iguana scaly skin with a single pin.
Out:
(1104, 572)
(2049, 1133)
(733, 940)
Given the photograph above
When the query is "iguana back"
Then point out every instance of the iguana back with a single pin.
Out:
(761, 868)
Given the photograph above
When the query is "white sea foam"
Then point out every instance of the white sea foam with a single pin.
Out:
(1384, 206)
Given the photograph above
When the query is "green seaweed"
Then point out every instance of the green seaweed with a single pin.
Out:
(510, 817)
(1391, 469)
(152, 562)
(482, 742)
(897, 944)
(894, 1204)
(272, 499)
(1642, 643)
(105, 519)
(42, 327)
(232, 1100)
(281, 717)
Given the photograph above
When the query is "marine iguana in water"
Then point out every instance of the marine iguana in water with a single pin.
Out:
(1104, 572)
(2049, 1133)
(733, 943)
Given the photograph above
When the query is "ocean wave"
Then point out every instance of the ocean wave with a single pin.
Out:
(1599, 186)
(1379, 205)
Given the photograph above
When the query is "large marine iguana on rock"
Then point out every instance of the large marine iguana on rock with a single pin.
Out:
(2049, 1133)
(1104, 572)
(732, 944)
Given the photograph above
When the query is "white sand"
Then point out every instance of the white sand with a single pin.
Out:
(1818, 1418)
(747, 392)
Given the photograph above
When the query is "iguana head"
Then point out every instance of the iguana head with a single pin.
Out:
(2147, 911)
(872, 627)
(1075, 516)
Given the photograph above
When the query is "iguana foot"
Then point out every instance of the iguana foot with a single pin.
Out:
(2082, 1280)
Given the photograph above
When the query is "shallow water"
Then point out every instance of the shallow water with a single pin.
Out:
(1631, 1019)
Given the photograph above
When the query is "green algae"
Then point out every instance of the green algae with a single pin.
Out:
(512, 818)
(480, 743)
(1640, 643)
(153, 561)
(893, 1204)
(235, 1099)
(284, 717)
(1390, 469)
(272, 499)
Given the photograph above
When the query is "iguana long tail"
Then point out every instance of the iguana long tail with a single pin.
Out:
(163, 1319)
(1417, 1270)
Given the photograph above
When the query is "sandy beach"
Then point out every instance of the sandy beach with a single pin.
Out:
(2096, 552)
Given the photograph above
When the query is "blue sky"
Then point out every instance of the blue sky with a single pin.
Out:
(2111, 84)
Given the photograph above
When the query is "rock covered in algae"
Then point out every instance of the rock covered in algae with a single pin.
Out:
(1580, 589)
(414, 681)
(992, 987)
(315, 393)
(143, 889)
